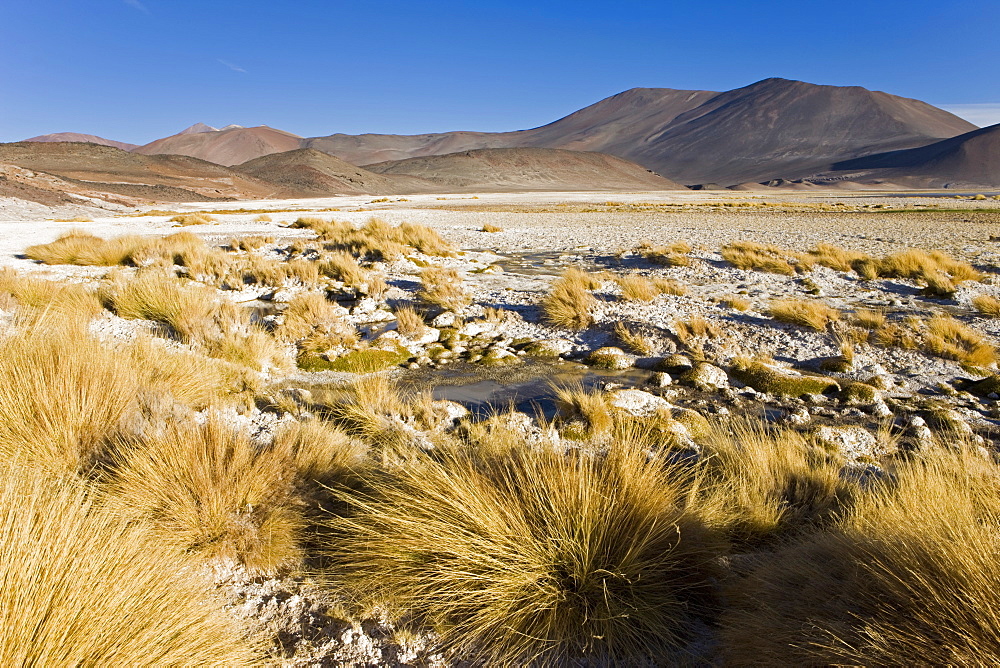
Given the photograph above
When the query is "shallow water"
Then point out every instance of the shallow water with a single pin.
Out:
(527, 387)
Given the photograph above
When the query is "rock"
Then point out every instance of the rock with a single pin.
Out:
(675, 364)
(859, 394)
(880, 409)
(298, 395)
(706, 377)
(364, 306)
(425, 336)
(448, 413)
(497, 357)
(660, 379)
(446, 319)
(549, 347)
(850, 441)
(481, 328)
(799, 416)
(773, 379)
(695, 423)
(610, 357)
(637, 402)
(952, 421)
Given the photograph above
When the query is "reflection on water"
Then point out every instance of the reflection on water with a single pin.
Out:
(527, 387)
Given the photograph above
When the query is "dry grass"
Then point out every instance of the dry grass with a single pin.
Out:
(591, 408)
(804, 313)
(377, 238)
(917, 265)
(670, 286)
(186, 308)
(489, 227)
(736, 303)
(634, 341)
(533, 558)
(673, 255)
(570, 304)
(343, 267)
(62, 396)
(763, 483)
(696, 329)
(309, 312)
(251, 242)
(987, 305)
(80, 588)
(870, 319)
(636, 288)
(82, 248)
(48, 297)
(908, 576)
(950, 339)
(408, 321)
(442, 286)
(836, 258)
(208, 490)
(319, 451)
(197, 218)
(759, 257)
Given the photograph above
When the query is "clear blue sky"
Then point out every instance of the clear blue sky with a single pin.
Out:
(136, 70)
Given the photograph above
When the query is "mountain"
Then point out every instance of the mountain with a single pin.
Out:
(307, 172)
(774, 128)
(521, 169)
(77, 137)
(197, 128)
(159, 177)
(229, 146)
(968, 160)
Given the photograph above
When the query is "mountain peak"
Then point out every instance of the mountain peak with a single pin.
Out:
(197, 128)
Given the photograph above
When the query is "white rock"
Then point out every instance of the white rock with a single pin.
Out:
(637, 402)
(851, 441)
(446, 319)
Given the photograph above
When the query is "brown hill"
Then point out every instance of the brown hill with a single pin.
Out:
(158, 177)
(526, 169)
(774, 128)
(77, 137)
(968, 160)
(307, 172)
(229, 146)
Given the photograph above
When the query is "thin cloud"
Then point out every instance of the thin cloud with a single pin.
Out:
(234, 68)
(979, 114)
(135, 4)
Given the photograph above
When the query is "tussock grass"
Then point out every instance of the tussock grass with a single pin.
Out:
(804, 313)
(870, 319)
(311, 311)
(377, 238)
(948, 338)
(251, 242)
(763, 483)
(533, 558)
(634, 341)
(570, 304)
(489, 227)
(62, 396)
(81, 588)
(987, 305)
(208, 490)
(891, 583)
(442, 286)
(408, 321)
(150, 295)
(696, 329)
(670, 286)
(319, 451)
(917, 264)
(672, 255)
(636, 288)
(836, 258)
(196, 218)
(343, 267)
(736, 303)
(82, 248)
(759, 257)
(49, 297)
(592, 408)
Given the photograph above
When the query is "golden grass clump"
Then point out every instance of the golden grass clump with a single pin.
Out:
(736, 303)
(569, 303)
(49, 297)
(672, 255)
(533, 558)
(62, 396)
(870, 319)
(196, 218)
(592, 408)
(81, 588)
(804, 313)
(82, 248)
(319, 451)
(442, 286)
(987, 305)
(634, 341)
(636, 288)
(762, 483)
(670, 286)
(908, 576)
(342, 266)
(408, 321)
(490, 227)
(311, 312)
(251, 242)
(948, 338)
(694, 329)
(759, 257)
(185, 307)
(917, 264)
(208, 490)
(836, 258)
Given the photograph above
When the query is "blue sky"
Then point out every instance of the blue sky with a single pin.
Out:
(136, 70)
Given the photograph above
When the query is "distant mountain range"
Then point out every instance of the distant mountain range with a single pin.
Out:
(775, 130)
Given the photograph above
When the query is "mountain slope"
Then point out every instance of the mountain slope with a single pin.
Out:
(224, 147)
(307, 172)
(77, 137)
(968, 160)
(531, 169)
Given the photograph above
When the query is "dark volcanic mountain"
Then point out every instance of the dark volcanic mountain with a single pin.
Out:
(771, 129)
(968, 160)
(77, 137)
(526, 169)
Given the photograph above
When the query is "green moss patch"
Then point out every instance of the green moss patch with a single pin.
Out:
(765, 378)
